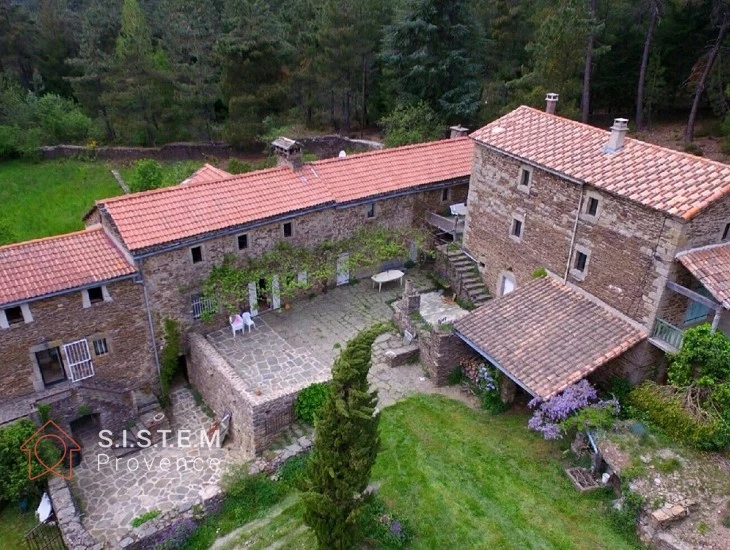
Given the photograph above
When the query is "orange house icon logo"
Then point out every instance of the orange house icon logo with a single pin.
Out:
(62, 440)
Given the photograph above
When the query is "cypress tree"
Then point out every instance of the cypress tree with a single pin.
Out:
(345, 447)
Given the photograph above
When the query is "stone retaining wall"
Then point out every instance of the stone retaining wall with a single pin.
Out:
(254, 423)
(74, 534)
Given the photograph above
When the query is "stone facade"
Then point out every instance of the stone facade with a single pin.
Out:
(128, 364)
(173, 280)
(630, 248)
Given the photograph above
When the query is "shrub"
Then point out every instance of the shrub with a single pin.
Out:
(693, 149)
(14, 482)
(309, 402)
(236, 166)
(44, 411)
(625, 518)
(147, 175)
(292, 472)
(539, 273)
(575, 408)
(380, 529)
(412, 123)
(456, 376)
(666, 408)
(484, 381)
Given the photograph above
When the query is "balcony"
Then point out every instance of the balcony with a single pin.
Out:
(666, 336)
(453, 225)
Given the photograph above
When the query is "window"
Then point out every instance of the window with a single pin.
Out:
(592, 206)
(14, 315)
(95, 295)
(287, 230)
(50, 365)
(196, 253)
(242, 242)
(370, 212)
(203, 306)
(506, 283)
(726, 233)
(79, 360)
(445, 194)
(100, 346)
(516, 228)
(525, 177)
(580, 261)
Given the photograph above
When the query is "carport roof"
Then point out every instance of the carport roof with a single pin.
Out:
(547, 335)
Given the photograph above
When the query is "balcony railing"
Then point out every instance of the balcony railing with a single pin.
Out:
(447, 224)
(668, 333)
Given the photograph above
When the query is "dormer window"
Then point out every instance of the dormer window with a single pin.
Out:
(95, 295)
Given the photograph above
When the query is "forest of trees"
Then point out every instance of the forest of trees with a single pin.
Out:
(146, 72)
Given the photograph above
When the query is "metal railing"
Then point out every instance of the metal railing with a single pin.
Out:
(451, 224)
(668, 333)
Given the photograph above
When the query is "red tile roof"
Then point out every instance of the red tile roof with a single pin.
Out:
(711, 266)
(166, 215)
(546, 335)
(666, 180)
(36, 268)
(205, 174)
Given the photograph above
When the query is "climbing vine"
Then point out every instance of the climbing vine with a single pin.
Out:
(299, 269)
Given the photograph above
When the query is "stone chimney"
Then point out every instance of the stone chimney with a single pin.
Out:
(288, 152)
(618, 134)
(458, 131)
(551, 102)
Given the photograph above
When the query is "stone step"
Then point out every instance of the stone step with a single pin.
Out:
(472, 284)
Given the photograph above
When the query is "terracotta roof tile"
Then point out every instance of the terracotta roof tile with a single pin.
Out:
(36, 268)
(206, 174)
(161, 216)
(547, 335)
(711, 266)
(666, 180)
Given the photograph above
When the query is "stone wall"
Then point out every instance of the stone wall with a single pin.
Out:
(707, 227)
(631, 247)
(642, 362)
(171, 151)
(441, 353)
(74, 534)
(173, 280)
(330, 146)
(128, 365)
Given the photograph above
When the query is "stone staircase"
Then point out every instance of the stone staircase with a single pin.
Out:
(292, 435)
(468, 278)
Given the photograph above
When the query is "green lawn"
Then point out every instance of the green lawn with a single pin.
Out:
(458, 478)
(465, 479)
(39, 199)
(14, 525)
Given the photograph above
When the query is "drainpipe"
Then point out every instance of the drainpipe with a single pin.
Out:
(149, 319)
(575, 232)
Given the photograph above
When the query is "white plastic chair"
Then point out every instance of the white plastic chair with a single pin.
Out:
(246, 318)
(237, 323)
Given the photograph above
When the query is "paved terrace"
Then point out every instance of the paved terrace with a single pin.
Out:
(290, 349)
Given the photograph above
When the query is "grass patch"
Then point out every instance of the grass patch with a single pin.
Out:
(465, 479)
(14, 524)
(49, 198)
(144, 518)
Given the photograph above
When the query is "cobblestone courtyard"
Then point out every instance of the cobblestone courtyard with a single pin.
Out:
(112, 492)
(290, 349)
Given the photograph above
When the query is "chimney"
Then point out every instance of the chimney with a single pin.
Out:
(618, 134)
(288, 153)
(458, 131)
(551, 103)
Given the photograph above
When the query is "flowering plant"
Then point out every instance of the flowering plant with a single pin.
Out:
(484, 380)
(576, 407)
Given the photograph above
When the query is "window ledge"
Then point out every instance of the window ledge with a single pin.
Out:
(579, 275)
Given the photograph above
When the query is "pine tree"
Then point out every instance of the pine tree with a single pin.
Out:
(433, 52)
(345, 447)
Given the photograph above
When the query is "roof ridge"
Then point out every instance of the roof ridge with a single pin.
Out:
(90, 229)
(701, 248)
(388, 150)
(171, 188)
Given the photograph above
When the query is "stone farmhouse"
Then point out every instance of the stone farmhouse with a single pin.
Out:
(634, 238)
(82, 314)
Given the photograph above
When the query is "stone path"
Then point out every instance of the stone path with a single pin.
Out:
(112, 492)
(436, 307)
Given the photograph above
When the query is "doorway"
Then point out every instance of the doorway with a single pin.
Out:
(50, 364)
